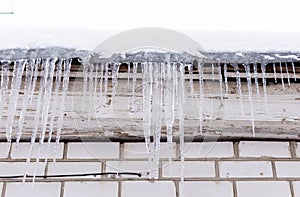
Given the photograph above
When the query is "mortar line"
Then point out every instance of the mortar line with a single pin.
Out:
(274, 169)
(234, 188)
(62, 189)
(119, 188)
(3, 189)
(292, 188)
(293, 149)
(65, 151)
(217, 170)
(236, 149)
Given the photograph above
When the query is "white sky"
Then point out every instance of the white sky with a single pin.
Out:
(255, 15)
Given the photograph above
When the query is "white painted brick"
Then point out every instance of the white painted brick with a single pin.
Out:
(138, 150)
(192, 169)
(74, 168)
(93, 150)
(22, 150)
(288, 168)
(148, 189)
(297, 149)
(50, 189)
(209, 149)
(264, 149)
(296, 185)
(4, 150)
(245, 169)
(215, 189)
(91, 189)
(263, 188)
(18, 168)
(129, 166)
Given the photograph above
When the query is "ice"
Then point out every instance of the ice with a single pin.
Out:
(263, 70)
(14, 96)
(294, 71)
(281, 76)
(239, 86)
(4, 86)
(220, 80)
(213, 72)
(256, 79)
(201, 96)
(133, 107)
(287, 73)
(226, 80)
(249, 85)
(274, 69)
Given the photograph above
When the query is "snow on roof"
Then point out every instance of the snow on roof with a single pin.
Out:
(210, 41)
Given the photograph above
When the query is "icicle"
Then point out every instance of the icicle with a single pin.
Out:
(115, 74)
(14, 96)
(156, 115)
(281, 75)
(36, 69)
(128, 74)
(90, 95)
(256, 79)
(36, 118)
(249, 85)
(106, 80)
(133, 108)
(263, 70)
(191, 80)
(147, 97)
(225, 79)
(101, 81)
(169, 99)
(213, 72)
(85, 84)
(274, 69)
(54, 107)
(26, 98)
(181, 103)
(50, 66)
(287, 73)
(96, 82)
(201, 96)
(294, 71)
(220, 81)
(239, 87)
(65, 86)
(4, 87)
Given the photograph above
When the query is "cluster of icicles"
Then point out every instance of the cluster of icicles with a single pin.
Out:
(44, 83)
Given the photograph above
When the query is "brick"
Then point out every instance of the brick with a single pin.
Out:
(93, 150)
(192, 169)
(148, 189)
(208, 149)
(242, 169)
(288, 168)
(21, 151)
(74, 168)
(129, 166)
(4, 150)
(44, 189)
(297, 149)
(18, 168)
(91, 189)
(263, 188)
(264, 149)
(138, 150)
(215, 189)
(296, 185)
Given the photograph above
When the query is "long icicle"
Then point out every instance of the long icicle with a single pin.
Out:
(201, 96)
(249, 85)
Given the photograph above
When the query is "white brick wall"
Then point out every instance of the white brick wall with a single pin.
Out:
(91, 150)
(245, 169)
(148, 189)
(264, 149)
(192, 169)
(215, 189)
(33, 190)
(239, 169)
(138, 150)
(263, 188)
(91, 189)
(208, 149)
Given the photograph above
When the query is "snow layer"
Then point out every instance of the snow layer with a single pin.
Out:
(89, 39)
